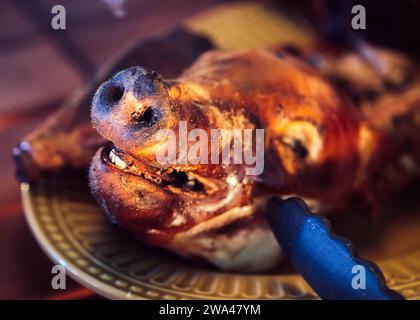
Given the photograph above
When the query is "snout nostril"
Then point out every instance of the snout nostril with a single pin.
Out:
(113, 95)
(145, 116)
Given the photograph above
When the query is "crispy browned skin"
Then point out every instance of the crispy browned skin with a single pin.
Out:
(318, 143)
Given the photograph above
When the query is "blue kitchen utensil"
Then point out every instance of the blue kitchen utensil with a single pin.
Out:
(326, 261)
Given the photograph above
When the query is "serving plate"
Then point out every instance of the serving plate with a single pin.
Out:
(73, 231)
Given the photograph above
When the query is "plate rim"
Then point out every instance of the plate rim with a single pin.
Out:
(73, 271)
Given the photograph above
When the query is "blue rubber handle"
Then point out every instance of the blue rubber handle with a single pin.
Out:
(327, 262)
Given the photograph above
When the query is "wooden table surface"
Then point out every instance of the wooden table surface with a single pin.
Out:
(39, 68)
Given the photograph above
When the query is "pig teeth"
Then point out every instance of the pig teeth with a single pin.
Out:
(116, 160)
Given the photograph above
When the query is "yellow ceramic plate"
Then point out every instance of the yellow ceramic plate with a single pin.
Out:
(74, 232)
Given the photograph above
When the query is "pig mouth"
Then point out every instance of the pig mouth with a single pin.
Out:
(170, 178)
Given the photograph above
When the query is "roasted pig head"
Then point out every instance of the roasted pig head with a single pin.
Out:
(316, 144)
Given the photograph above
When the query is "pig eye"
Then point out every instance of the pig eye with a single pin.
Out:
(300, 144)
(303, 139)
(297, 146)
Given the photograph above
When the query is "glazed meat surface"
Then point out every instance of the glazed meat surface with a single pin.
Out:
(328, 137)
